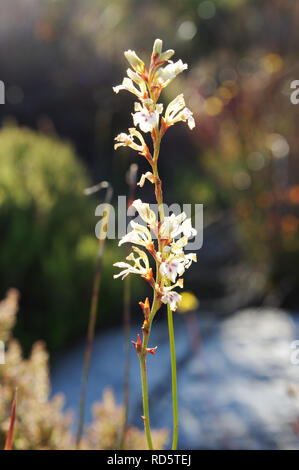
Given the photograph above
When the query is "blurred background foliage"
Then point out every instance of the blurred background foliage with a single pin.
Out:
(241, 161)
(47, 227)
(41, 423)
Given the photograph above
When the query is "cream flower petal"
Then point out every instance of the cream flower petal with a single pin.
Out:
(145, 212)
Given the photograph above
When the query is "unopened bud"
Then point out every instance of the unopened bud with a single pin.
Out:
(149, 277)
(157, 49)
(137, 344)
(166, 55)
(135, 61)
(146, 308)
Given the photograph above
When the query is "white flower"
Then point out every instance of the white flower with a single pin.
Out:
(139, 235)
(127, 140)
(141, 264)
(170, 297)
(165, 75)
(189, 258)
(128, 85)
(146, 117)
(175, 225)
(136, 63)
(187, 229)
(145, 212)
(171, 269)
(173, 299)
(177, 246)
(176, 265)
(147, 176)
(170, 227)
(176, 111)
(187, 116)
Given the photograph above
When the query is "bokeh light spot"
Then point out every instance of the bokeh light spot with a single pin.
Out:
(272, 63)
(187, 30)
(241, 180)
(206, 10)
(213, 106)
(278, 145)
(189, 302)
(256, 161)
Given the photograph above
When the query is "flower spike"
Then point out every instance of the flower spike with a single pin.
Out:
(163, 237)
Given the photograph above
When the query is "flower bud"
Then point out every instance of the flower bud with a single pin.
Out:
(166, 55)
(149, 277)
(146, 308)
(137, 344)
(135, 61)
(157, 49)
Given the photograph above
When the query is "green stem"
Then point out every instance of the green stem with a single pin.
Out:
(142, 358)
(159, 197)
(174, 379)
(146, 420)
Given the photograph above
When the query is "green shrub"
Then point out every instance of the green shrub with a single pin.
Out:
(47, 234)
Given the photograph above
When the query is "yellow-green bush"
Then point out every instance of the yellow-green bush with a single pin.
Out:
(48, 246)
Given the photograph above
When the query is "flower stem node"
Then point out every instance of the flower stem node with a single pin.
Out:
(146, 308)
(149, 277)
(138, 345)
(145, 326)
(151, 350)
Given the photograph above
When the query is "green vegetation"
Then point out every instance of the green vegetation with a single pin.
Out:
(47, 234)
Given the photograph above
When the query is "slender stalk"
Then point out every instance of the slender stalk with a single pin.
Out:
(93, 305)
(132, 174)
(159, 197)
(174, 378)
(146, 420)
(142, 358)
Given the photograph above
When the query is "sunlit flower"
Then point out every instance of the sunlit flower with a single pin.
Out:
(146, 118)
(127, 140)
(165, 75)
(176, 265)
(128, 85)
(140, 264)
(176, 111)
(172, 268)
(139, 235)
(146, 176)
(170, 226)
(171, 297)
(145, 212)
(187, 229)
(136, 63)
